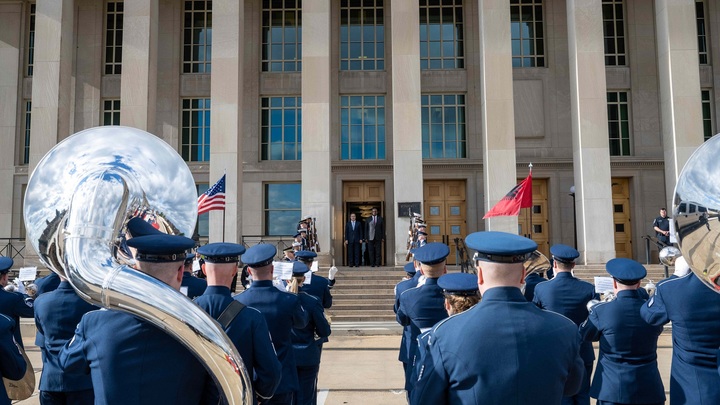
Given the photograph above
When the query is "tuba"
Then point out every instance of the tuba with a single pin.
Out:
(78, 201)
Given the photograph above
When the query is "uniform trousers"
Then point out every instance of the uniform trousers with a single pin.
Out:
(84, 397)
(583, 396)
(307, 377)
(285, 398)
(599, 402)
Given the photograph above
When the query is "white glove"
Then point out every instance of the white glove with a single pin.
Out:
(331, 273)
(20, 286)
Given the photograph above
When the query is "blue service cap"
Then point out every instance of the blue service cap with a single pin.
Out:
(139, 227)
(259, 255)
(422, 233)
(626, 270)
(432, 253)
(410, 268)
(299, 269)
(564, 253)
(306, 255)
(5, 264)
(161, 248)
(189, 258)
(500, 247)
(296, 235)
(465, 284)
(221, 252)
(302, 230)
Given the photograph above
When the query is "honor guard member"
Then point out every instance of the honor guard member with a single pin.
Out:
(282, 312)
(694, 311)
(307, 341)
(318, 286)
(302, 233)
(422, 239)
(569, 296)
(130, 360)
(191, 286)
(57, 313)
(503, 350)
(12, 362)
(12, 304)
(245, 326)
(627, 370)
(424, 306)
(47, 284)
(404, 354)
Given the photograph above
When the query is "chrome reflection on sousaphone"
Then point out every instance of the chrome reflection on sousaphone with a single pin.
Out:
(78, 200)
(695, 212)
(668, 255)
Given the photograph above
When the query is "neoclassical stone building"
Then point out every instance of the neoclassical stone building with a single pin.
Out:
(326, 107)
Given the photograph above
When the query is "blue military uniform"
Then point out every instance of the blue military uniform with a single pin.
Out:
(191, 285)
(404, 353)
(306, 347)
(132, 361)
(318, 287)
(503, 350)
(13, 304)
(12, 363)
(627, 370)
(569, 296)
(57, 313)
(282, 311)
(248, 330)
(424, 306)
(694, 311)
(47, 284)
(532, 280)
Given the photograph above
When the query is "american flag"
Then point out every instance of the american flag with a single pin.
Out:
(214, 198)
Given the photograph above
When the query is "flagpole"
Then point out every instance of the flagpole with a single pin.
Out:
(223, 220)
(529, 210)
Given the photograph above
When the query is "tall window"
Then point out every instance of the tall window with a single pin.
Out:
(441, 34)
(197, 36)
(111, 112)
(280, 128)
(443, 126)
(362, 127)
(526, 31)
(195, 145)
(618, 123)
(362, 35)
(614, 30)
(707, 114)
(31, 42)
(701, 31)
(281, 36)
(282, 208)
(26, 146)
(202, 228)
(113, 37)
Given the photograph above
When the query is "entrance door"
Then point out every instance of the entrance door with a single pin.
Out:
(621, 217)
(533, 221)
(359, 198)
(445, 212)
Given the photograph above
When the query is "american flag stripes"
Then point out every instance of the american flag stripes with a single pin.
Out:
(213, 198)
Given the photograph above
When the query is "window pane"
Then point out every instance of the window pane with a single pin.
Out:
(281, 36)
(196, 123)
(280, 118)
(526, 33)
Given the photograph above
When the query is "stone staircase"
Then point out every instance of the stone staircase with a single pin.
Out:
(366, 294)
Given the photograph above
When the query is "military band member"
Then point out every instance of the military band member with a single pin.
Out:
(318, 287)
(627, 370)
(47, 284)
(404, 353)
(191, 285)
(245, 326)
(57, 313)
(307, 342)
(569, 296)
(424, 306)
(694, 311)
(130, 360)
(503, 350)
(12, 304)
(282, 312)
(531, 281)
(12, 363)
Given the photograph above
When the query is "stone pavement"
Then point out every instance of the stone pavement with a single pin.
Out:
(360, 366)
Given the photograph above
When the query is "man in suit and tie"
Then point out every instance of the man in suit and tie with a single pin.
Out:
(375, 232)
(353, 241)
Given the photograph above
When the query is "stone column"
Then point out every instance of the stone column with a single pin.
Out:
(497, 109)
(138, 86)
(52, 96)
(11, 17)
(226, 91)
(316, 119)
(407, 143)
(591, 150)
(678, 71)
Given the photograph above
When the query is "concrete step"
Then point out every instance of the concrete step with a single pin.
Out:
(362, 291)
(363, 318)
(377, 305)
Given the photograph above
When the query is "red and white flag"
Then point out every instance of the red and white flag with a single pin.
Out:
(213, 198)
(519, 197)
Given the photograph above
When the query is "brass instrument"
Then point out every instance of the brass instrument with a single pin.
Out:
(668, 255)
(78, 201)
(535, 263)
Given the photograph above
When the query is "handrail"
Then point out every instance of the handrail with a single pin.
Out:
(659, 244)
(12, 247)
(280, 242)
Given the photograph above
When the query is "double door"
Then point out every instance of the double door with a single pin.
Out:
(444, 213)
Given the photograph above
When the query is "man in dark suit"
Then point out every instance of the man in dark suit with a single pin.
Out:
(353, 241)
(375, 235)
